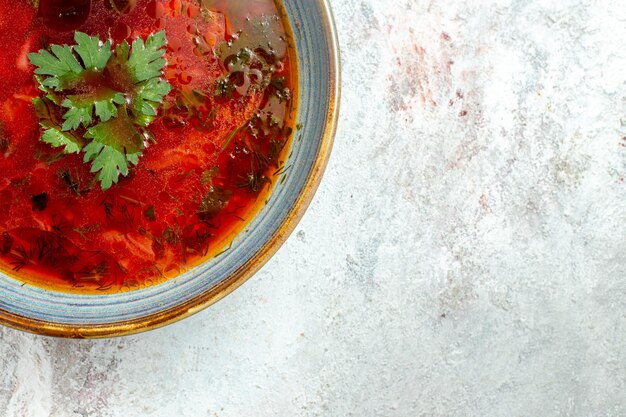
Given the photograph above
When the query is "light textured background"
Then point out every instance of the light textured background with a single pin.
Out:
(464, 256)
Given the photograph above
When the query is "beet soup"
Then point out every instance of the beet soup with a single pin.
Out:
(137, 138)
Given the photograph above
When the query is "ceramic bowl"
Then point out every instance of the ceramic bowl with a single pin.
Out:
(86, 316)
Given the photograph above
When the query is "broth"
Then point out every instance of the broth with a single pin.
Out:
(217, 142)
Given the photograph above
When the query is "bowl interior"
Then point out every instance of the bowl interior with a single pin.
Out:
(71, 315)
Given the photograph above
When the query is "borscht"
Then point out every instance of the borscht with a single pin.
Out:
(137, 137)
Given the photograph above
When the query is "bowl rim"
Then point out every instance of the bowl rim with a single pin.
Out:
(247, 270)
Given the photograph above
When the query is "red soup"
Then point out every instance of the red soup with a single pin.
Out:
(136, 137)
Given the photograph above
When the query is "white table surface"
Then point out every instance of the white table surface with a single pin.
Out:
(464, 255)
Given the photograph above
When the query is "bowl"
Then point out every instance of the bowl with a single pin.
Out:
(59, 314)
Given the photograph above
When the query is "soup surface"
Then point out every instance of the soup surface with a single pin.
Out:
(204, 152)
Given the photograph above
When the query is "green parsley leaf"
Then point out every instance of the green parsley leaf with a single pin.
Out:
(60, 65)
(122, 52)
(78, 113)
(94, 55)
(119, 132)
(146, 60)
(81, 107)
(113, 140)
(57, 138)
(105, 109)
(53, 134)
(148, 98)
(110, 161)
(115, 144)
(64, 68)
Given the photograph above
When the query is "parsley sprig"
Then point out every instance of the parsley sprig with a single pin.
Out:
(100, 101)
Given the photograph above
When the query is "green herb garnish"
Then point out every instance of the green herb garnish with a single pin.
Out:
(149, 213)
(100, 101)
